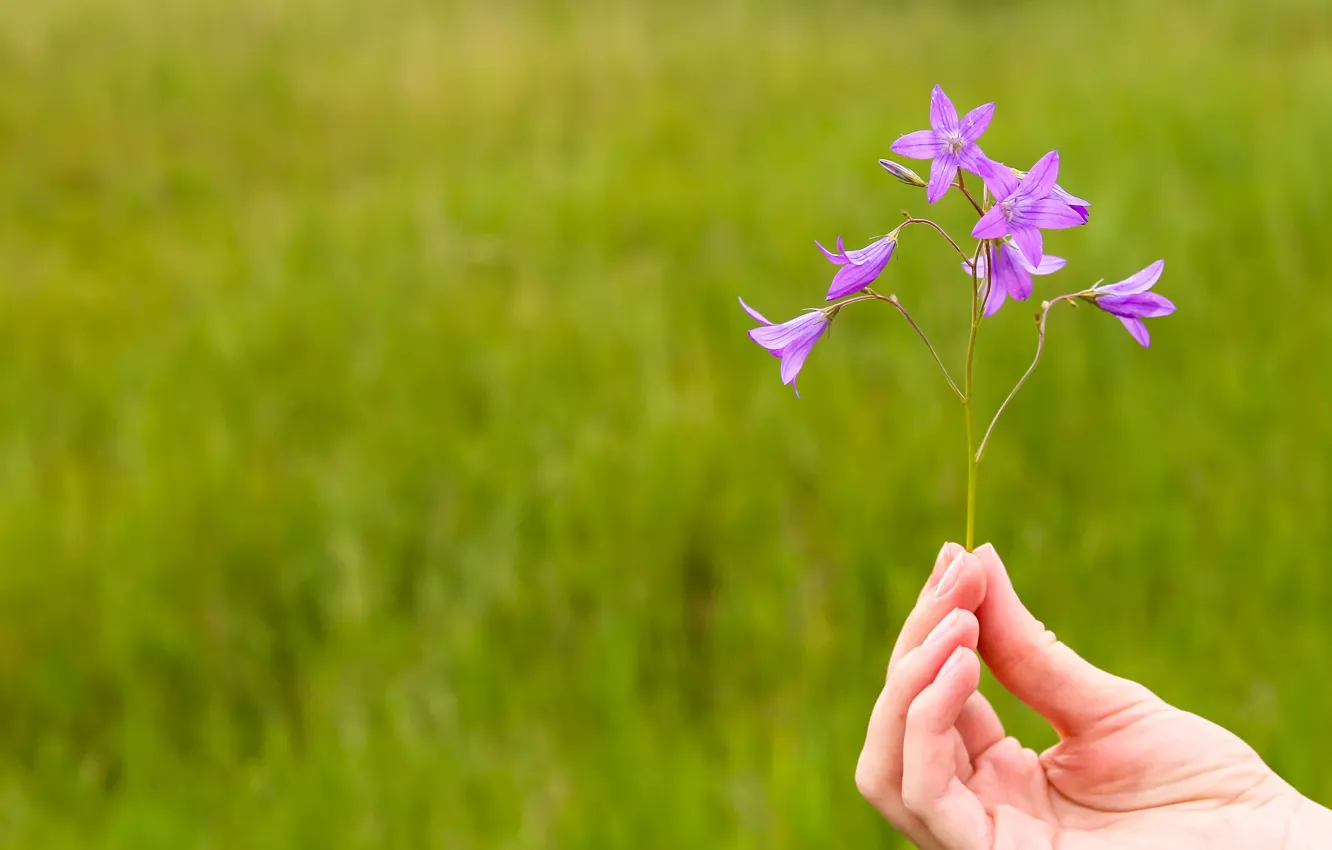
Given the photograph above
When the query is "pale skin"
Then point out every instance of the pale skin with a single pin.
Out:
(1130, 772)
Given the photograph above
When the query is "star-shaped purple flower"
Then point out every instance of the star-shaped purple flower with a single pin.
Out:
(858, 268)
(1012, 274)
(1025, 206)
(791, 341)
(1130, 302)
(950, 143)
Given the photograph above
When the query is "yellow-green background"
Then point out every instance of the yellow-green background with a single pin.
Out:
(383, 462)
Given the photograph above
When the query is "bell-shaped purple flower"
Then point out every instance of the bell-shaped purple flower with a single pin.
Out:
(859, 268)
(791, 341)
(1011, 274)
(1131, 302)
(950, 143)
(1025, 206)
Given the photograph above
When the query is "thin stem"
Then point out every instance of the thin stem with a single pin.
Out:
(892, 299)
(1040, 346)
(972, 459)
(989, 252)
(942, 233)
(961, 185)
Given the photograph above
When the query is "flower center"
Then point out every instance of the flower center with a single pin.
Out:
(953, 142)
(1007, 207)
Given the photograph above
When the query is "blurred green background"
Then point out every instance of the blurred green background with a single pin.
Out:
(383, 462)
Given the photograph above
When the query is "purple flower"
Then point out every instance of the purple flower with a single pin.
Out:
(1130, 301)
(950, 143)
(1025, 206)
(1012, 274)
(1079, 206)
(859, 268)
(791, 341)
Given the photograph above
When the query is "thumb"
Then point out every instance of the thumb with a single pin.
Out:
(1072, 694)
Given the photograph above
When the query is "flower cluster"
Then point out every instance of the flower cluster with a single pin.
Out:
(1013, 210)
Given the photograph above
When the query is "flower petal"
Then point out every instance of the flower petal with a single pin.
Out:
(999, 178)
(1047, 213)
(793, 358)
(922, 144)
(1072, 200)
(943, 115)
(837, 259)
(862, 271)
(1040, 181)
(995, 300)
(1139, 331)
(976, 122)
(992, 225)
(1029, 241)
(1049, 265)
(754, 314)
(1011, 272)
(1138, 282)
(779, 337)
(982, 261)
(942, 172)
(1138, 305)
(873, 252)
(972, 158)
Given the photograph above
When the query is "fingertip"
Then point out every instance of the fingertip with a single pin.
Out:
(964, 583)
(961, 667)
(968, 628)
(947, 554)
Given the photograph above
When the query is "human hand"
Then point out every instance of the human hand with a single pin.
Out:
(1129, 771)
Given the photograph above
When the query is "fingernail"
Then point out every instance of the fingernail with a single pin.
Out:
(953, 660)
(941, 629)
(950, 576)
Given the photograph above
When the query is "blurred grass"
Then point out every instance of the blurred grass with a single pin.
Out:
(383, 462)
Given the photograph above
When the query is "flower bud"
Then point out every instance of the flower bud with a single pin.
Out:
(902, 173)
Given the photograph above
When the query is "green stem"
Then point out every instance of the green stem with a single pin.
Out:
(1040, 347)
(972, 462)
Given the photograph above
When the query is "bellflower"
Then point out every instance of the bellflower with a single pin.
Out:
(1025, 206)
(1079, 206)
(950, 143)
(792, 340)
(859, 267)
(1130, 302)
(1011, 275)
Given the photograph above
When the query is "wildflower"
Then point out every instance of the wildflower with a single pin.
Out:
(950, 143)
(860, 267)
(1079, 206)
(1130, 302)
(1012, 274)
(1025, 206)
(792, 340)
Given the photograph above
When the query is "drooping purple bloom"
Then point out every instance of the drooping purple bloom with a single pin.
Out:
(1130, 301)
(1025, 206)
(950, 143)
(1012, 274)
(791, 341)
(859, 268)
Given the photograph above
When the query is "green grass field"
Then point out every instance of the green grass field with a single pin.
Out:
(383, 462)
